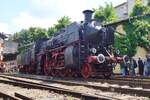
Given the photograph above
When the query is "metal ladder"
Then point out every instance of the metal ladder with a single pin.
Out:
(83, 52)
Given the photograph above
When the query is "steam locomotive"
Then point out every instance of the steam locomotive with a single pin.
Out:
(80, 49)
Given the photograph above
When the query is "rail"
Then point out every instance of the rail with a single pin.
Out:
(7, 96)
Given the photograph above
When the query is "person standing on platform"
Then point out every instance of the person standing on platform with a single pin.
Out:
(124, 66)
(140, 66)
(133, 65)
(147, 65)
(122, 69)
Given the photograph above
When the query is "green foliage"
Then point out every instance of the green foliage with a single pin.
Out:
(105, 14)
(36, 33)
(21, 37)
(51, 31)
(130, 41)
(141, 32)
(99, 15)
(25, 36)
(24, 48)
(61, 23)
(139, 9)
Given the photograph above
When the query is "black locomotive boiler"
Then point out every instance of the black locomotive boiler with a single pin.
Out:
(78, 49)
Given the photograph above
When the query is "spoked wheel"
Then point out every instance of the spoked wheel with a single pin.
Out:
(53, 73)
(76, 73)
(69, 73)
(58, 73)
(86, 71)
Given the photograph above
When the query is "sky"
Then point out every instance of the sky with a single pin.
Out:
(22, 14)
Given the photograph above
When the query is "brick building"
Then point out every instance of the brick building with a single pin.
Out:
(123, 10)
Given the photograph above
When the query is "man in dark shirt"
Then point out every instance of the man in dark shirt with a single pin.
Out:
(132, 67)
(141, 66)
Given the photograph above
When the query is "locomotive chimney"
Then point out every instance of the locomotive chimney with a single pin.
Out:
(87, 15)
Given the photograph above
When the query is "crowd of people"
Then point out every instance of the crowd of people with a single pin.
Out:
(143, 65)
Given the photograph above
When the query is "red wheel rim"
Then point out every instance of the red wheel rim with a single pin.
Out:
(63, 73)
(69, 73)
(57, 73)
(46, 69)
(53, 73)
(86, 71)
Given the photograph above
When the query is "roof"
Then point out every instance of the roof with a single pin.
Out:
(120, 5)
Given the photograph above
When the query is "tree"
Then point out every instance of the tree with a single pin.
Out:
(25, 36)
(51, 31)
(139, 9)
(61, 23)
(105, 14)
(36, 33)
(21, 37)
(141, 32)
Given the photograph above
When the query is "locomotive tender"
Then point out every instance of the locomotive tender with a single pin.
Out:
(78, 49)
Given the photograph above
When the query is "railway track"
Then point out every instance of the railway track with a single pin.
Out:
(128, 76)
(5, 96)
(138, 81)
(17, 96)
(132, 82)
(15, 91)
(27, 84)
(140, 92)
(144, 79)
